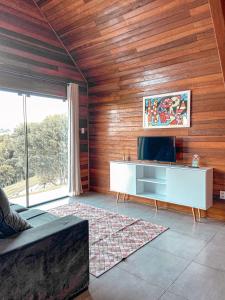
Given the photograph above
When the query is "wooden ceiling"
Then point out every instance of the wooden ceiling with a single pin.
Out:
(117, 40)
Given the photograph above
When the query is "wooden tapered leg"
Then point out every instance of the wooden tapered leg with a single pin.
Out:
(124, 196)
(117, 197)
(199, 214)
(193, 212)
(156, 205)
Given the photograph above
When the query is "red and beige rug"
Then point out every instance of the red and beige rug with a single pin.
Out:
(113, 237)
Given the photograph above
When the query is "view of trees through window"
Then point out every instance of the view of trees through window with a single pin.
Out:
(44, 122)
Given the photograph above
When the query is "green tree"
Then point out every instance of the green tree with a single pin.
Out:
(47, 149)
(9, 162)
(7, 175)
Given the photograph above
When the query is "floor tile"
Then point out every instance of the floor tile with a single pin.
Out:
(155, 266)
(53, 204)
(97, 202)
(171, 296)
(117, 284)
(134, 210)
(219, 239)
(222, 229)
(91, 277)
(162, 217)
(213, 255)
(205, 230)
(178, 244)
(200, 283)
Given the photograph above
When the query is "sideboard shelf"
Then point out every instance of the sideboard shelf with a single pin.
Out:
(153, 180)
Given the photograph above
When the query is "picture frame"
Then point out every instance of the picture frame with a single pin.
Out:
(171, 110)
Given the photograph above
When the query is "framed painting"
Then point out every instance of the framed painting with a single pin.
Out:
(170, 110)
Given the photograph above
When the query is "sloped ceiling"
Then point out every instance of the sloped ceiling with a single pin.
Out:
(116, 40)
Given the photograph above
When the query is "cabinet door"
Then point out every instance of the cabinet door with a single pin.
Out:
(123, 178)
(186, 187)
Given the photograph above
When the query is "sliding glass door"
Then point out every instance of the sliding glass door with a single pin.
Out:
(12, 150)
(37, 128)
(47, 148)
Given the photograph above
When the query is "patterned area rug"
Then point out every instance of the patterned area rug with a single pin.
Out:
(113, 237)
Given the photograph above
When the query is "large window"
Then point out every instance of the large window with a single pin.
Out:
(33, 148)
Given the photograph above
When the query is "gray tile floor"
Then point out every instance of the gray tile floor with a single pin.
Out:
(185, 262)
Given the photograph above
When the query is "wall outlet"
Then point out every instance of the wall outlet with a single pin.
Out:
(222, 195)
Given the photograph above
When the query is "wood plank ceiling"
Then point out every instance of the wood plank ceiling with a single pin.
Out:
(133, 48)
(108, 38)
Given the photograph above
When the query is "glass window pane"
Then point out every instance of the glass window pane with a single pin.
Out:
(47, 121)
(12, 147)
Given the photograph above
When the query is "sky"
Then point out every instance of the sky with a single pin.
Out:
(38, 108)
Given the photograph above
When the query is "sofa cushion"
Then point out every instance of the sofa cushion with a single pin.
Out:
(36, 217)
(31, 213)
(18, 208)
(10, 221)
(42, 219)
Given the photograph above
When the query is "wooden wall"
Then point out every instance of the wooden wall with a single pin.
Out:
(32, 59)
(135, 48)
(180, 53)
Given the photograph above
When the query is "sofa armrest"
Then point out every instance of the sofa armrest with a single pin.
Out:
(50, 261)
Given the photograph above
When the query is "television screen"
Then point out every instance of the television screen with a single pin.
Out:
(157, 148)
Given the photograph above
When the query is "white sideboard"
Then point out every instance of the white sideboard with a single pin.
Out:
(182, 185)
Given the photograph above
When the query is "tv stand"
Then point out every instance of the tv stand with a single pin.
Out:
(164, 182)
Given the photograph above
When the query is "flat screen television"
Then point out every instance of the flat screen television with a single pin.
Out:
(157, 148)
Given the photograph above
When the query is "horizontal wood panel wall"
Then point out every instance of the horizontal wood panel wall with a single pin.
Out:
(135, 48)
(32, 59)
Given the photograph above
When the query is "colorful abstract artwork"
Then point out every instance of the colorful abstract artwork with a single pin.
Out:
(167, 110)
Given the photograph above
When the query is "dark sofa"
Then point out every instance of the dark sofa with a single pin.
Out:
(48, 261)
